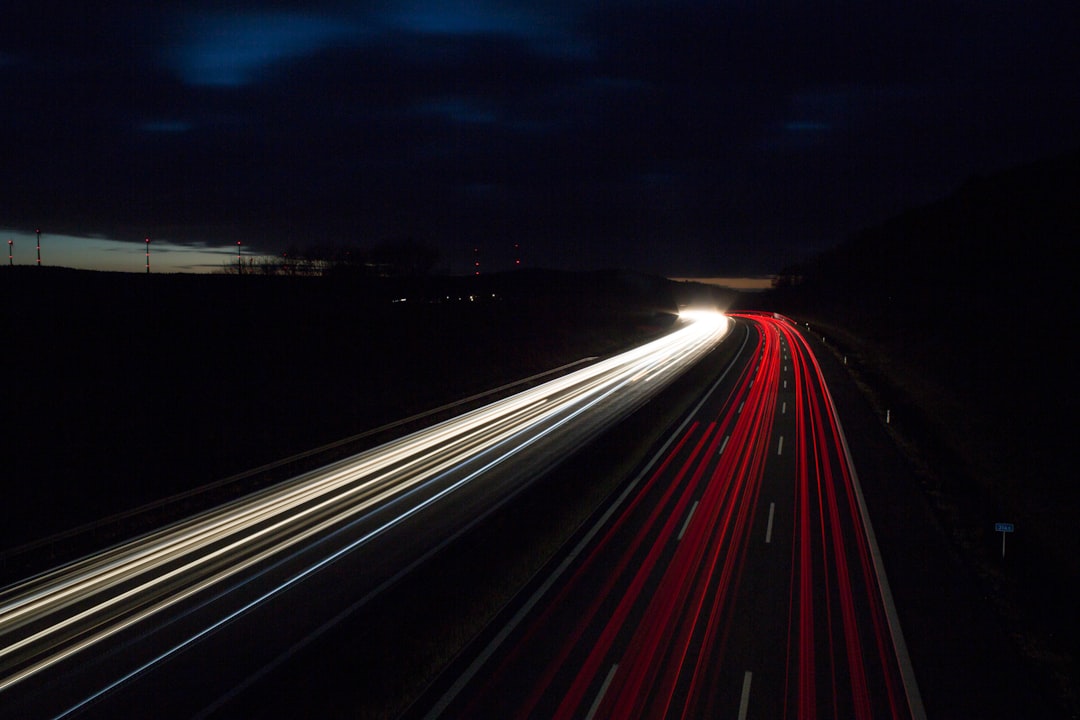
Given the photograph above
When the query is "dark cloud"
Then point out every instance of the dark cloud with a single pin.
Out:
(676, 137)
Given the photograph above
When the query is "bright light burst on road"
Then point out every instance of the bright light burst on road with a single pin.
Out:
(708, 316)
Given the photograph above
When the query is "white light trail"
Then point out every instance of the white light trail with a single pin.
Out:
(68, 610)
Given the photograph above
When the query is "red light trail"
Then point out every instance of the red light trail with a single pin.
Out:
(683, 606)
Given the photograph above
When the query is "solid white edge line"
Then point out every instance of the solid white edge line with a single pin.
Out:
(903, 659)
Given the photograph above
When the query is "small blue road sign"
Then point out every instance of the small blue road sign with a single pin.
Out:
(1003, 528)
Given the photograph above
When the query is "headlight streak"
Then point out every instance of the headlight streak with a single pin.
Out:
(313, 568)
(162, 579)
(61, 613)
(129, 567)
(247, 540)
(143, 554)
(180, 541)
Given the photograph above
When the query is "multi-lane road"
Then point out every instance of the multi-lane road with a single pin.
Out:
(83, 637)
(736, 576)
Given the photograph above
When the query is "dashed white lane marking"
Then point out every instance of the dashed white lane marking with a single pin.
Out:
(686, 523)
(603, 689)
(768, 529)
(744, 702)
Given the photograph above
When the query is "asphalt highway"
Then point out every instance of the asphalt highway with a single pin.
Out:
(83, 637)
(736, 576)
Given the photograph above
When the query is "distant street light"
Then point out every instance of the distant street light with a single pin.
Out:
(147, 256)
(239, 260)
(10, 249)
(38, 231)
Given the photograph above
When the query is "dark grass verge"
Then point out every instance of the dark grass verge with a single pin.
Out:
(377, 662)
(1030, 598)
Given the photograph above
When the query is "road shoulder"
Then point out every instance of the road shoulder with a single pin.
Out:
(966, 663)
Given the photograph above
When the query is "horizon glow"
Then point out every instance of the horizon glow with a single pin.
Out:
(106, 254)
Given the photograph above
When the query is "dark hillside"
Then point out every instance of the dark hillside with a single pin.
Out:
(958, 317)
(969, 302)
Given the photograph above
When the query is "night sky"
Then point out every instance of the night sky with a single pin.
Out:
(682, 138)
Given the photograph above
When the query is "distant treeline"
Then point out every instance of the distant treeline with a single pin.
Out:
(401, 257)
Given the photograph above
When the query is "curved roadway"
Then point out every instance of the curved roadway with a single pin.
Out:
(737, 576)
(73, 638)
